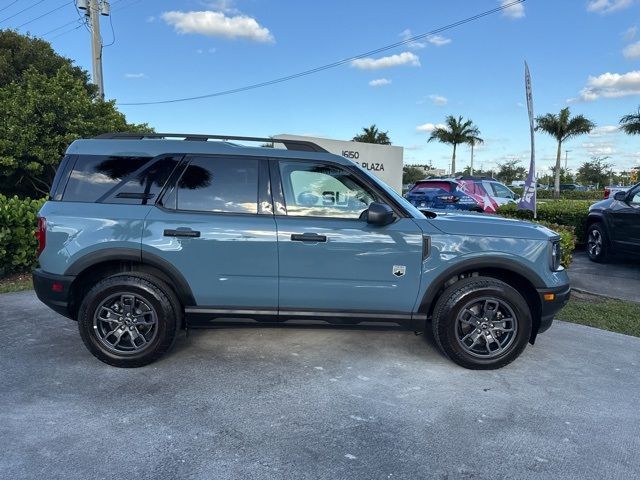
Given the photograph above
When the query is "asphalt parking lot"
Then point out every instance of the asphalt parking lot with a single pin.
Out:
(618, 278)
(285, 403)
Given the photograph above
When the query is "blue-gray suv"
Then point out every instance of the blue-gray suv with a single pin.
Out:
(147, 234)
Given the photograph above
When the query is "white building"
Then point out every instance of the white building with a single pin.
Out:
(384, 161)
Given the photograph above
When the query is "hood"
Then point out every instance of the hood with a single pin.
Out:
(489, 226)
(602, 204)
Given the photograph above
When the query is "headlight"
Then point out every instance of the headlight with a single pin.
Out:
(556, 256)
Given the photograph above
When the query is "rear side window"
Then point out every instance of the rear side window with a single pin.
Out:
(219, 185)
(95, 175)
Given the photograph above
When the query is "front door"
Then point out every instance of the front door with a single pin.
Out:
(624, 219)
(332, 260)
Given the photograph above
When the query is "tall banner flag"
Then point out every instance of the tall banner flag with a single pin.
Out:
(529, 196)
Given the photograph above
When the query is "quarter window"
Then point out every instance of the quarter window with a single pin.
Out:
(320, 190)
(220, 185)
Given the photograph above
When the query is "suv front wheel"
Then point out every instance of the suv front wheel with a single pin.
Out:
(481, 323)
(129, 320)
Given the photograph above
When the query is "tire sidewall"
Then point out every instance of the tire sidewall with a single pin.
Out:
(603, 250)
(151, 293)
(451, 307)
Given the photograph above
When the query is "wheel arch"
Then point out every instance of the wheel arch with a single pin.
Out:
(523, 279)
(90, 269)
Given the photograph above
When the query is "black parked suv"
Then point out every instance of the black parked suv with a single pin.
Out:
(613, 225)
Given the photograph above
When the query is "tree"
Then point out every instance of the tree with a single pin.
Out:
(510, 171)
(41, 116)
(373, 135)
(411, 174)
(562, 127)
(631, 123)
(595, 172)
(455, 132)
(19, 52)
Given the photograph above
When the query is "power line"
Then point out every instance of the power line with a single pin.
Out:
(44, 14)
(337, 63)
(12, 3)
(23, 10)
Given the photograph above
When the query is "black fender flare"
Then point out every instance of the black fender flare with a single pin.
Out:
(120, 254)
(477, 263)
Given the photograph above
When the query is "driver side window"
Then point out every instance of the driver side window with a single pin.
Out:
(635, 198)
(319, 190)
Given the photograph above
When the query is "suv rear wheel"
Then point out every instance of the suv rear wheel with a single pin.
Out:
(481, 323)
(129, 320)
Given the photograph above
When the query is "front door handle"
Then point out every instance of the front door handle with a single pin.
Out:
(308, 237)
(181, 232)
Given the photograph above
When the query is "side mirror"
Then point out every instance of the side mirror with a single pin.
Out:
(380, 214)
(620, 196)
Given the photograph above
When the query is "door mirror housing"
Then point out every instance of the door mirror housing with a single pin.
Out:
(620, 196)
(380, 214)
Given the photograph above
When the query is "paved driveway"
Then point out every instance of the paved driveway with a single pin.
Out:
(618, 278)
(308, 403)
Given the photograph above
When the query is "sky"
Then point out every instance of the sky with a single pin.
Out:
(584, 54)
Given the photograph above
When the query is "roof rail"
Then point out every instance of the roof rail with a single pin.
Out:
(476, 177)
(300, 145)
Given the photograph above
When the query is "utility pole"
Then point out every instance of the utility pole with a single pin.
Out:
(93, 9)
(471, 167)
(566, 154)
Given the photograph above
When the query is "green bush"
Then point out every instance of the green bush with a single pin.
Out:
(18, 222)
(593, 195)
(569, 213)
(567, 241)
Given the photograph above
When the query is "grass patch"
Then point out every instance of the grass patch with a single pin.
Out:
(605, 313)
(16, 283)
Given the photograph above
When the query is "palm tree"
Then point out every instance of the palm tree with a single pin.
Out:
(631, 123)
(455, 132)
(373, 135)
(563, 127)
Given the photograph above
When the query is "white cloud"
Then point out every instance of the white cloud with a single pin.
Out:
(610, 85)
(630, 33)
(217, 24)
(208, 50)
(607, 6)
(429, 127)
(437, 40)
(632, 51)
(438, 99)
(514, 11)
(603, 131)
(134, 75)
(404, 58)
(151, 19)
(520, 105)
(600, 148)
(379, 82)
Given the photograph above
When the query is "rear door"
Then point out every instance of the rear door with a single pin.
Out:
(330, 259)
(216, 227)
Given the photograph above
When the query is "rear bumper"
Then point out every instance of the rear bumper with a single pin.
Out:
(53, 290)
(549, 308)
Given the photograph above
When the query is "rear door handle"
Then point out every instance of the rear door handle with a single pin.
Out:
(181, 232)
(308, 237)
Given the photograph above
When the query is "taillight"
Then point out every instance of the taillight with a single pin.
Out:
(41, 235)
(607, 192)
(449, 198)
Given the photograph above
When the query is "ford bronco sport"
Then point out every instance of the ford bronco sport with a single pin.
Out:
(146, 234)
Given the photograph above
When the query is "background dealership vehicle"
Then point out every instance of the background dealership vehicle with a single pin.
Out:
(462, 193)
(613, 225)
(188, 229)
(611, 190)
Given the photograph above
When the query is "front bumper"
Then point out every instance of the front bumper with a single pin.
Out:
(549, 307)
(54, 290)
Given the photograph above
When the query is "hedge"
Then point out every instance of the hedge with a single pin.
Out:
(569, 213)
(593, 195)
(18, 222)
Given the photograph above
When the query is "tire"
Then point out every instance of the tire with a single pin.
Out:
(135, 340)
(454, 328)
(597, 243)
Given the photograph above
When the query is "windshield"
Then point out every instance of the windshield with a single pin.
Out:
(413, 211)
